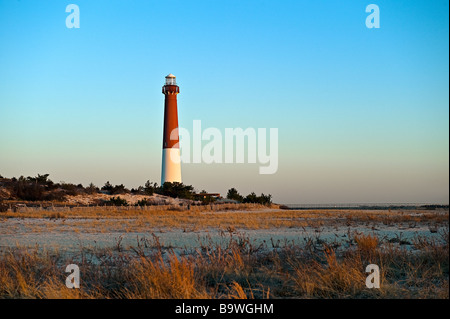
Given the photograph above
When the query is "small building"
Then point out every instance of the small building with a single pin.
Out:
(212, 195)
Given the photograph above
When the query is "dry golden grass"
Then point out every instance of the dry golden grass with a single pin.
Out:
(35, 274)
(235, 270)
(159, 279)
(330, 278)
(126, 211)
(315, 269)
(367, 244)
(137, 220)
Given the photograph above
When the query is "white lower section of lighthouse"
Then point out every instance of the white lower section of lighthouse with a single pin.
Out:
(171, 165)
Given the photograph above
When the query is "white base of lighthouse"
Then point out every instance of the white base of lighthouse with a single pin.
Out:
(171, 165)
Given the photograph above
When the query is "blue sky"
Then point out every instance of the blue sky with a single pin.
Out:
(362, 113)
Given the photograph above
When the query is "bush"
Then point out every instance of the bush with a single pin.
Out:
(107, 187)
(55, 196)
(176, 190)
(233, 194)
(117, 201)
(149, 188)
(119, 189)
(40, 188)
(263, 199)
(3, 207)
(137, 191)
(113, 190)
(70, 189)
(91, 189)
(143, 202)
(251, 198)
(27, 189)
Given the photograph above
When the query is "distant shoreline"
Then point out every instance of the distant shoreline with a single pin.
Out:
(366, 206)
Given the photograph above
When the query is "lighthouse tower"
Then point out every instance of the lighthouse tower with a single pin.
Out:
(171, 168)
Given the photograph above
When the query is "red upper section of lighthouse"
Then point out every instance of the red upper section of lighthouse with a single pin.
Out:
(170, 135)
(170, 89)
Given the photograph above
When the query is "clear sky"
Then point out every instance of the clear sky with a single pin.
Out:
(362, 113)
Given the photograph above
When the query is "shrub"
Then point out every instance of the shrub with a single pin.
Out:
(234, 195)
(113, 190)
(176, 190)
(107, 187)
(263, 199)
(138, 191)
(119, 189)
(27, 189)
(143, 202)
(92, 189)
(57, 195)
(149, 188)
(70, 189)
(3, 207)
(117, 201)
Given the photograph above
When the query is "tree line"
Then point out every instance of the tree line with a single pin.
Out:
(263, 199)
(41, 188)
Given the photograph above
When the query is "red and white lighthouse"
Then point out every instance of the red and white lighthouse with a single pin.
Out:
(171, 166)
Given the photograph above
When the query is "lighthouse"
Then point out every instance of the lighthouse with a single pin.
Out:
(171, 168)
